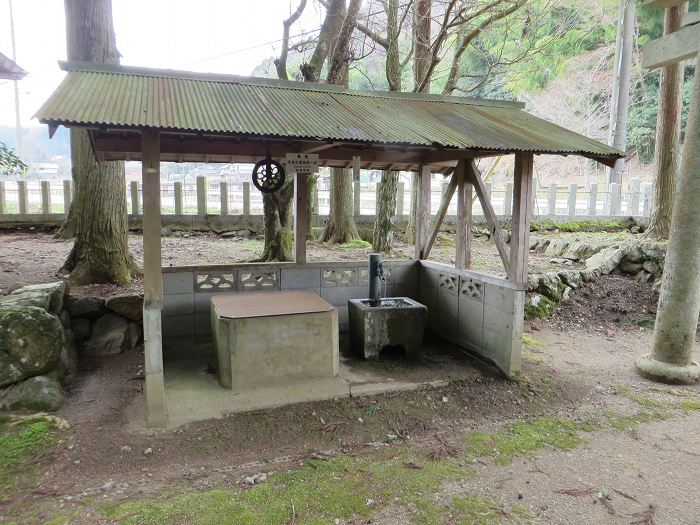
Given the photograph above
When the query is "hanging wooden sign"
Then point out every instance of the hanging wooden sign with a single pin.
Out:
(302, 163)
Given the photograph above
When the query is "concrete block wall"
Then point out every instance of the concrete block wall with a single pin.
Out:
(481, 313)
(188, 290)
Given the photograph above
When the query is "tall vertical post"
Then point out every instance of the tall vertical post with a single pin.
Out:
(2, 198)
(45, 197)
(153, 280)
(246, 198)
(593, 200)
(634, 197)
(520, 226)
(223, 196)
(400, 196)
(356, 201)
(647, 199)
(614, 199)
(422, 210)
(177, 191)
(552, 202)
(22, 196)
(534, 205)
(201, 196)
(135, 200)
(463, 257)
(67, 195)
(571, 204)
(508, 199)
(300, 202)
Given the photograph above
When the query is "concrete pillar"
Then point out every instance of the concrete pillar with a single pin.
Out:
(356, 172)
(646, 199)
(614, 199)
(488, 188)
(67, 195)
(177, 191)
(573, 190)
(246, 198)
(22, 196)
(552, 200)
(593, 200)
(201, 196)
(400, 195)
(508, 199)
(2, 198)
(634, 197)
(135, 199)
(223, 195)
(534, 208)
(45, 197)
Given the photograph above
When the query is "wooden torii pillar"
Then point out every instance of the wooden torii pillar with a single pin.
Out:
(671, 357)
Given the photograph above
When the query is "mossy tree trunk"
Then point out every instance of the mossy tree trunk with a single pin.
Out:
(311, 207)
(277, 213)
(383, 235)
(668, 131)
(98, 216)
(340, 227)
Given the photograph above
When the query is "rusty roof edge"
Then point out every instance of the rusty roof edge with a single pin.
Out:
(94, 67)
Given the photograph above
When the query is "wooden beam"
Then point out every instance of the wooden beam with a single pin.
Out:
(321, 147)
(676, 47)
(520, 225)
(422, 210)
(440, 216)
(463, 258)
(300, 205)
(152, 280)
(474, 177)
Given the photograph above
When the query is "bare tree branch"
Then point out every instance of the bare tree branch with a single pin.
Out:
(281, 61)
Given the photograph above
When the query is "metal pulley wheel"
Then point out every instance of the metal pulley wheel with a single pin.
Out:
(268, 175)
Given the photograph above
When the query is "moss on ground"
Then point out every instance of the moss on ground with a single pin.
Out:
(358, 243)
(523, 438)
(530, 346)
(543, 309)
(578, 226)
(643, 320)
(342, 487)
(470, 510)
(21, 442)
(637, 398)
(630, 423)
(689, 404)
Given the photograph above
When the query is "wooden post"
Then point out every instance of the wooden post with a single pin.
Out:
(2, 198)
(45, 197)
(593, 200)
(520, 226)
(201, 196)
(508, 199)
(573, 190)
(223, 196)
(400, 195)
(552, 203)
(356, 201)
(67, 195)
(614, 199)
(300, 202)
(153, 279)
(22, 196)
(634, 197)
(463, 257)
(448, 190)
(135, 200)
(177, 191)
(422, 210)
(534, 205)
(246, 198)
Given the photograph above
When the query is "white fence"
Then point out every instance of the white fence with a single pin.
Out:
(36, 198)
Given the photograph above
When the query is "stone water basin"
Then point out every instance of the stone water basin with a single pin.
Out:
(389, 322)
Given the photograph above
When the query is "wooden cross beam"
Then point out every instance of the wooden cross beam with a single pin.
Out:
(442, 211)
(676, 47)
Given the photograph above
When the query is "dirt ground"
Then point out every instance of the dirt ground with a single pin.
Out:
(31, 256)
(634, 461)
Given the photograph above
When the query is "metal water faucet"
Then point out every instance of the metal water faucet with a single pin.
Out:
(375, 277)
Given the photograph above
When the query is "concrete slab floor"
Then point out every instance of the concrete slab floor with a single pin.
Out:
(193, 392)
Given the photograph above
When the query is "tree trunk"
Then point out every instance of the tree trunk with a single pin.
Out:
(386, 207)
(98, 215)
(668, 130)
(310, 207)
(679, 298)
(340, 227)
(277, 215)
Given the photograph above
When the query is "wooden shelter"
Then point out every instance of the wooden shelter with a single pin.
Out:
(162, 115)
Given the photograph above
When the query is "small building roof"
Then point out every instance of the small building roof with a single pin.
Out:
(283, 116)
(9, 70)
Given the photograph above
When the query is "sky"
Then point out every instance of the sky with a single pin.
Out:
(218, 36)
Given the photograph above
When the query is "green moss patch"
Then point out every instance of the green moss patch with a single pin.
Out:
(21, 443)
(689, 404)
(530, 346)
(342, 487)
(358, 243)
(523, 438)
(640, 399)
(543, 309)
(630, 423)
(471, 510)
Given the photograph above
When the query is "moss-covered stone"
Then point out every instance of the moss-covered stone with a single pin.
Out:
(538, 307)
(36, 394)
(31, 340)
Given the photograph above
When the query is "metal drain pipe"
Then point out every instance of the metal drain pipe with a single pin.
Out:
(376, 276)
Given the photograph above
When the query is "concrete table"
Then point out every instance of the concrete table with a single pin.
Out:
(265, 339)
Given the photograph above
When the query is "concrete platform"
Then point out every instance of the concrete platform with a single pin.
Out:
(194, 394)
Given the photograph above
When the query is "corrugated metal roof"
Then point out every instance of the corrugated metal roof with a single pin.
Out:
(10, 70)
(126, 97)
